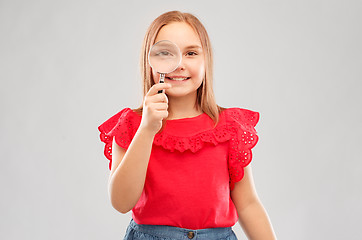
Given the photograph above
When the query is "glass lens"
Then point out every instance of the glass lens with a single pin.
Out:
(164, 56)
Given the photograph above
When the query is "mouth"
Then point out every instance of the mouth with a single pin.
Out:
(178, 78)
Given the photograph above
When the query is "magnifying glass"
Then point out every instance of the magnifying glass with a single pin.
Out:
(164, 57)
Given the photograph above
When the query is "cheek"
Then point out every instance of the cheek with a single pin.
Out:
(199, 69)
(198, 73)
(155, 76)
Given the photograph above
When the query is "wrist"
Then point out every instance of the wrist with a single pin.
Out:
(145, 132)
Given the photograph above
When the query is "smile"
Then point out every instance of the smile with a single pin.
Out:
(178, 78)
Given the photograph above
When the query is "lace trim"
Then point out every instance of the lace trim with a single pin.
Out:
(240, 154)
(121, 126)
(238, 127)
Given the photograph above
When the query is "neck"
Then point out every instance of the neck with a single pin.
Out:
(182, 107)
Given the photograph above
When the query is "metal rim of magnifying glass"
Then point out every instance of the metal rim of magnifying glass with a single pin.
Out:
(178, 64)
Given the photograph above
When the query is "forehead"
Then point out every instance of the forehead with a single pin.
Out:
(182, 34)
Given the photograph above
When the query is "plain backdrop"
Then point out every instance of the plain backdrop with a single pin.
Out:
(67, 66)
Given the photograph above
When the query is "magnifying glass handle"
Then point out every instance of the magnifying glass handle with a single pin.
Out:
(162, 80)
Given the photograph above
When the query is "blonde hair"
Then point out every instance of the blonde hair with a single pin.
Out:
(205, 95)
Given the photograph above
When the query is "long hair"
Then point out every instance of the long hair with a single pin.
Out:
(205, 99)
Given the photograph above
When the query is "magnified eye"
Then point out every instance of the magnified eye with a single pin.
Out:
(164, 53)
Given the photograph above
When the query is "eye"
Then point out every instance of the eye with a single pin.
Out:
(164, 53)
(191, 53)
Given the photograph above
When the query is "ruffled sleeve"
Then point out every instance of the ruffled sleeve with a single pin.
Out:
(242, 123)
(122, 127)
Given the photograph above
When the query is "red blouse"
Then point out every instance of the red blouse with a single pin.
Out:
(192, 167)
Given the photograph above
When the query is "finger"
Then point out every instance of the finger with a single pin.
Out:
(158, 98)
(158, 86)
(159, 106)
(162, 114)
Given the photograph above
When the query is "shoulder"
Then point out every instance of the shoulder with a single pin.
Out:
(127, 118)
(240, 115)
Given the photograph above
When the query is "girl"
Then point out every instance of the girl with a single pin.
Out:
(180, 161)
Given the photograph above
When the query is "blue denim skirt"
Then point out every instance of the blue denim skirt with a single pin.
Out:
(161, 232)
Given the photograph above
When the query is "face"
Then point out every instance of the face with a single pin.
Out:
(187, 78)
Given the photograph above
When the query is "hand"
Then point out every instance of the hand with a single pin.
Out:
(155, 107)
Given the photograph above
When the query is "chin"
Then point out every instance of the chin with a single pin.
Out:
(178, 93)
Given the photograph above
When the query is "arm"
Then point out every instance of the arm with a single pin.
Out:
(129, 168)
(128, 171)
(252, 216)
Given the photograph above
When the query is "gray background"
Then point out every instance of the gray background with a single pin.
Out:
(67, 66)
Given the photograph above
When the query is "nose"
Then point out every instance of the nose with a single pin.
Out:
(182, 64)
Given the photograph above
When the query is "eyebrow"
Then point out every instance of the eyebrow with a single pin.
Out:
(162, 44)
(193, 46)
